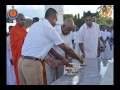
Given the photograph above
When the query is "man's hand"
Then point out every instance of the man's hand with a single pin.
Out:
(81, 60)
(51, 62)
(65, 62)
(69, 59)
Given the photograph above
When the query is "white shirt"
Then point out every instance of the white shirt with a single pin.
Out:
(109, 34)
(104, 34)
(66, 38)
(75, 36)
(40, 39)
(89, 38)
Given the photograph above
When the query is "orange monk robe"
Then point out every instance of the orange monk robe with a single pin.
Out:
(17, 36)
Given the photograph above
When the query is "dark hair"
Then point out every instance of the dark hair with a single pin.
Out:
(35, 19)
(50, 12)
(87, 14)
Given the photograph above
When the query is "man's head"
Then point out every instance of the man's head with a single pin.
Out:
(35, 19)
(51, 16)
(20, 19)
(67, 26)
(108, 28)
(88, 19)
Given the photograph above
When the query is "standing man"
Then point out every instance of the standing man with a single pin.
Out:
(17, 36)
(10, 69)
(65, 33)
(89, 36)
(39, 40)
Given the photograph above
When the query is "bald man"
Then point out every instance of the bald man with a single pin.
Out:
(17, 36)
(65, 33)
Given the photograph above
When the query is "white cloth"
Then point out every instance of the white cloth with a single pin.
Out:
(66, 38)
(10, 69)
(75, 36)
(76, 41)
(109, 34)
(104, 34)
(40, 39)
(108, 51)
(89, 38)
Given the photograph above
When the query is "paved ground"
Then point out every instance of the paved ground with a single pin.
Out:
(108, 77)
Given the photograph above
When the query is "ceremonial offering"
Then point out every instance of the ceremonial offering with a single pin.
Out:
(72, 69)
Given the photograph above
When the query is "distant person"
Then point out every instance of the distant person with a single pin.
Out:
(10, 69)
(35, 19)
(108, 49)
(17, 36)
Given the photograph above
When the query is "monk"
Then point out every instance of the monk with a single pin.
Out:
(17, 36)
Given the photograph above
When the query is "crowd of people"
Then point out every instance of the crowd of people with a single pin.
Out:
(37, 57)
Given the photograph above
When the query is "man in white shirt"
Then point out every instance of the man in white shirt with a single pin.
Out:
(104, 36)
(89, 37)
(64, 31)
(112, 40)
(108, 53)
(38, 42)
(9, 63)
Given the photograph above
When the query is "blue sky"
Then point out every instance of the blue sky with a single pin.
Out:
(39, 10)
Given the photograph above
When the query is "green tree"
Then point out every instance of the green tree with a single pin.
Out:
(109, 22)
(65, 16)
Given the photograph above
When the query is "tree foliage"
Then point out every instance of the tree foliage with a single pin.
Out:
(97, 17)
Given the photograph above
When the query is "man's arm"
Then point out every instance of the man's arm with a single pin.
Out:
(82, 49)
(98, 47)
(98, 43)
(101, 38)
(56, 54)
(70, 52)
(81, 61)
